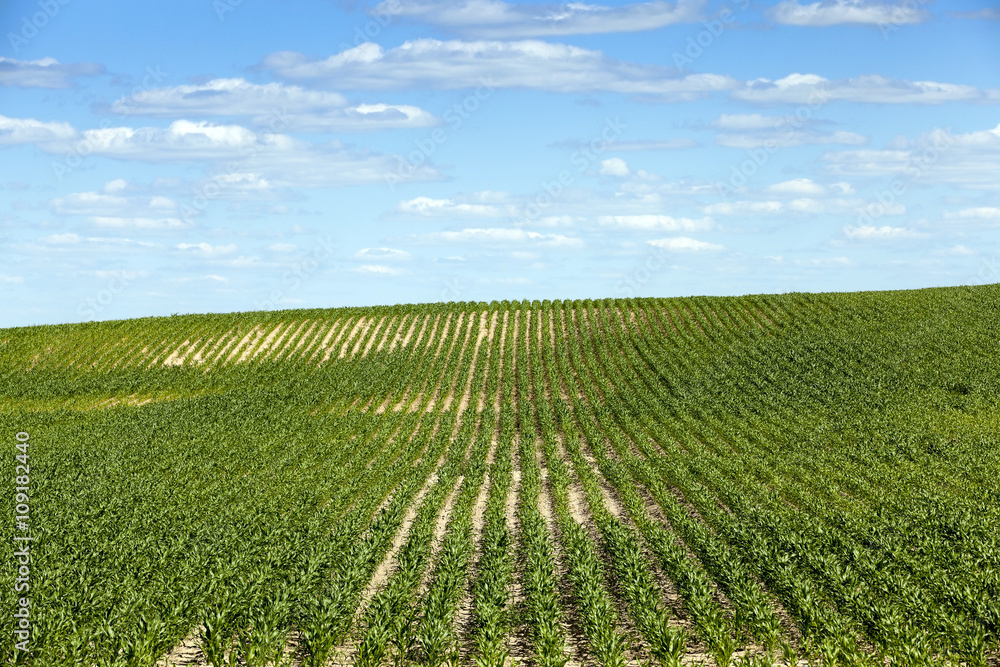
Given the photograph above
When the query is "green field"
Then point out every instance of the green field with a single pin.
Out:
(752, 480)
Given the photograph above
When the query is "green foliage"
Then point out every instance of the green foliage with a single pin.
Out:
(758, 479)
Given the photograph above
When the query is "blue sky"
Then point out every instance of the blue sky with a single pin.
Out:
(234, 155)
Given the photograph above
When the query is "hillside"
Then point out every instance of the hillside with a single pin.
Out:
(747, 480)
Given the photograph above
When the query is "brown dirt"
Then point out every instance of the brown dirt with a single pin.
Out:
(503, 342)
(491, 336)
(483, 334)
(288, 342)
(185, 654)
(360, 326)
(175, 358)
(423, 328)
(328, 349)
(322, 345)
(402, 340)
(238, 349)
(378, 329)
(273, 339)
(302, 340)
(440, 530)
(392, 329)
(384, 568)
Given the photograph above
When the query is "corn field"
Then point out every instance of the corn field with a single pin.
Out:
(762, 480)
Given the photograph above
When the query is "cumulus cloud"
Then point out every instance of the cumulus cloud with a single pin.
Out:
(502, 20)
(800, 206)
(43, 73)
(756, 130)
(112, 205)
(977, 213)
(684, 244)
(376, 269)
(656, 223)
(30, 131)
(834, 12)
(484, 65)
(207, 249)
(969, 160)
(382, 254)
(263, 160)
(871, 88)
(797, 186)
(429, 207)
(614, 167)
(502, 236)
(277, 106)
(871, 232)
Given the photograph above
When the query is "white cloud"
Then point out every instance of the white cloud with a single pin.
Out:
(116, 185)
(744, 208)
(43, 73)
(970, 160)
(834, 12)
(749, 121)
(879, 233)
(383, 254)
(29, 131)
(208, 250)
(654, 222)
(874, 88)
(282, 247)
(113, 205)
(789, 137)
(140, 223)
(216, 278)
(960, 250)
(181, 141)
(498, 19)
(428, 207)
(978, 213)
(12, 280)
(614, 167)
(797, 186)
(264, 160)
(756, 130)
(684, 244)
(805, 205)
(824, 261)
(277, 106)
(377, 269)
(483, 65)
(656, 145)
(503, 235)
